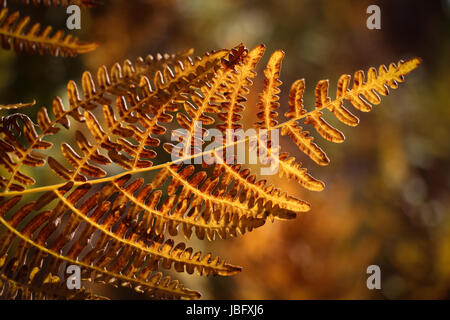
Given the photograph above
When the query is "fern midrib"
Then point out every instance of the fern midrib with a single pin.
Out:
(267, 99)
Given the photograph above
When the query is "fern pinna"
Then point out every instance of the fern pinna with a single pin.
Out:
(16, 32)
(120, 200)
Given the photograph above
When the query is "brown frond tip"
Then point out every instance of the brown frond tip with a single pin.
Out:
(236, 55)
(15, 33)
(11, 125)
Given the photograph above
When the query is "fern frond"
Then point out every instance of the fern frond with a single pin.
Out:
(119, 81)
(166, 97)
(268, 98)
(361, 90)
(102, 263)
(16, 106)
(21, 282)
(267, 115)
(206, 102)
(278, 203)
(121, 199)
(158, 249)
(14, 34)
(158, 215)
(62, 3)
(361, 96)
(240, 83)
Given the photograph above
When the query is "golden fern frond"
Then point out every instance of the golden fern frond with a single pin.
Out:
(361, 96)
(278, 203)
(207, 99)
(62, 3)
(186, 75)
(360, 92)
(15, 33)
(170, 89)
(161, 215)
(267, 115)
(169, 86)
(121, 199)
(157, 248)
(15, 106)
(120, 79)
(268, 99)
(102, 263)
(22, 282)
(239, 81)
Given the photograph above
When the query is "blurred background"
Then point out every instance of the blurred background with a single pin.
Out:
(386, 200)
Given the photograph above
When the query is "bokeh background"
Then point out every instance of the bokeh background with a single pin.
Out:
(387, 196)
